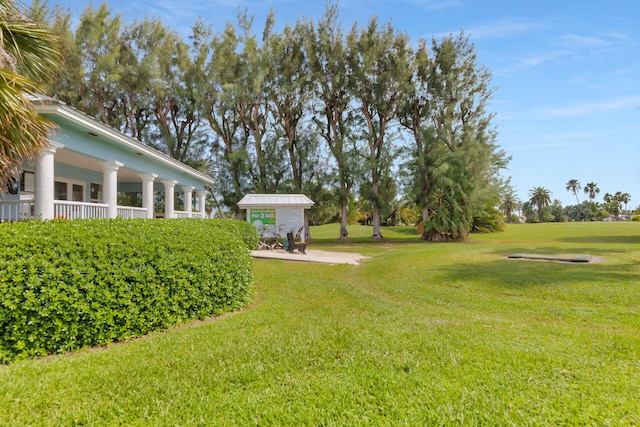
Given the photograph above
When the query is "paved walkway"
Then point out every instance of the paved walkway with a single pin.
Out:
(312, 255)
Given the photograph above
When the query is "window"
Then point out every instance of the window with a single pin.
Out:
(68, 190)
(27, 182)
(78, 193)
(60, 190)
(96, 192)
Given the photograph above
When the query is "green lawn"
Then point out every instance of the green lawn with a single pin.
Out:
(421, 334)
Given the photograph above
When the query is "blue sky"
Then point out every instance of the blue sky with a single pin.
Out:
(566, 73)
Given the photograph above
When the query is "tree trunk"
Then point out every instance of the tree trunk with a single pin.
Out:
(434, 236)
(344, 234)
(425, 218)
(377, 234)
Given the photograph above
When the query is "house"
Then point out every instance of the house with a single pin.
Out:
(89, 164)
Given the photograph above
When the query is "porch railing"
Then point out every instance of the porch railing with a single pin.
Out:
(19, 210)
(180, 214)
(128, 212)
(16, 210)
(63, 209)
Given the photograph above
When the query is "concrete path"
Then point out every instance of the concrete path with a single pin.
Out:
(312, 255)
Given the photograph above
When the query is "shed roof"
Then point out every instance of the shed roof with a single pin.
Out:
(275, 200)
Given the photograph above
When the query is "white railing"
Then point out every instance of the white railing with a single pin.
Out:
(183, 214)
(16, 210)
(63, 209)
(129, 212)
(180, 214)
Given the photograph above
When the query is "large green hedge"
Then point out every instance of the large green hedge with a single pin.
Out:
(65, 285)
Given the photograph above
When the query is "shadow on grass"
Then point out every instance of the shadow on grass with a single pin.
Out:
(555, 250)
(395, 236)
(516, 274)
(624, 240)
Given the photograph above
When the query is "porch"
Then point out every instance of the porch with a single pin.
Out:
(19, 210)
(90, 170)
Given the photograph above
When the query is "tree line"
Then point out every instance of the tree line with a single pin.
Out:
(350, 118)
(540, 207)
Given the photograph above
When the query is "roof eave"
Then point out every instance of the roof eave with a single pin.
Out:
(76, 116)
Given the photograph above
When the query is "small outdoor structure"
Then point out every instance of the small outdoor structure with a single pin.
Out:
(276, 214)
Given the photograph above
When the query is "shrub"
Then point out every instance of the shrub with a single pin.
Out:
(65, 285)
(245, 230)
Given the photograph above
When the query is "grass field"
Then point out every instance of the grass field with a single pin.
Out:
(420, 334)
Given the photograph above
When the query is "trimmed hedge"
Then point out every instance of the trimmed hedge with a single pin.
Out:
(65, 285)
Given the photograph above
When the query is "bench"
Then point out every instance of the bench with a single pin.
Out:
(293, 245)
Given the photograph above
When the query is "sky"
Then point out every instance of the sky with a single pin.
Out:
(566, 74)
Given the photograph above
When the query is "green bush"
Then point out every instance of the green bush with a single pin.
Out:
(245, 230)
(65, 285)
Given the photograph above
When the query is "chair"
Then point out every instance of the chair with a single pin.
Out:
(293, 245)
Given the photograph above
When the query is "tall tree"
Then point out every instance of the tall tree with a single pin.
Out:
(509, 203)
(98, 41)
(65, 83)
(541, 198)
(455, 162)
(289, 91)
(28, 55)
(573, 185)
(416, 115)
(221, 104)
(591, 189)
(327, 55)
(625, 198)
(175, 97)
(139, 76)
(378, 58)
(254, 107)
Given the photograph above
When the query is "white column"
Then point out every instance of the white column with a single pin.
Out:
(147, 192)
(45, 178)
(202, 197)
(169, 185)
(110, 186)
(187, 192)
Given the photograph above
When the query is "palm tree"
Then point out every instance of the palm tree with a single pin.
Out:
(574, 186)
(591, 189)
(28, 55)
(625, 198)
(613, 202)
(541, 197)
(509, 203)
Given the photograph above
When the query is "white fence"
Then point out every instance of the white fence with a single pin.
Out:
(128, 212)
(63, 209)
(16, 210)
(19, 210)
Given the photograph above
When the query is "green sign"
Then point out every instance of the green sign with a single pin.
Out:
(263, 216)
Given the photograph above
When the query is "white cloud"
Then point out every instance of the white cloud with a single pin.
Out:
(502, 29)
(575, 41)
(591, 107)
(431, 5)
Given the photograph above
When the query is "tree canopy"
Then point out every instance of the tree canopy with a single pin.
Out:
(29, 53)
(310, 108)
